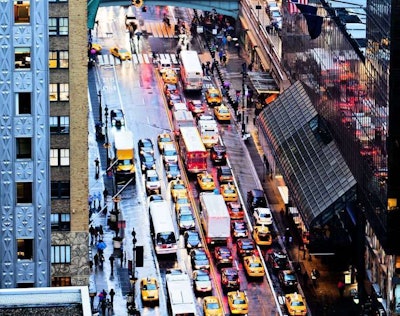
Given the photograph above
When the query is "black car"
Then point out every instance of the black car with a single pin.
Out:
(256, 198)
(239, 229)
(199, 259)
(246, 247)
(223, 256)
(218, 154)
(147, 161)
(224, 174)
(192, 239)
(278, 260)
(145, 145)
(117, 118)
(230, 280)
(172, 170)
(288, 279)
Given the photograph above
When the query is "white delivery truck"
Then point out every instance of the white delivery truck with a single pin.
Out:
(215, 218)
(208, 130)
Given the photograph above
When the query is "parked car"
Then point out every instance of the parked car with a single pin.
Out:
(117, 118)
(262, 216)
(278, 260)
(152, 182)
(288, 279)
(256, 198)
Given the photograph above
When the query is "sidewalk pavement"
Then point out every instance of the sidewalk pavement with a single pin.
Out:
(324, 297)
(102, 277)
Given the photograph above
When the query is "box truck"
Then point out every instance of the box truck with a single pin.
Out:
(215, 218)
(124, 153)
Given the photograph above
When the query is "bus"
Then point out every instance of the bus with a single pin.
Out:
(192, 150)
(162, 227)
(191, 71)
(180, 294)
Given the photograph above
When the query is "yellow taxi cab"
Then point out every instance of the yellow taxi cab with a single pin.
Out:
(212, 306)
(121, 53)
(238, 303)
(206, 181)
(222, 113)
(149, 290)
(163, 139)
(253, 266)
(97, 47)
(295, 304)
(170, 76)
(262, 236)
(229, 192)
(182, 200)
(178, 189)
(213, 96)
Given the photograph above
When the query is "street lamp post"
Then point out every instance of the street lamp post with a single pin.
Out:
(100, 108)
(132, 307)
(106, 145)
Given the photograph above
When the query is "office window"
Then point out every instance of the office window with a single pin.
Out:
(61, 254)
(22, 12)
(58, 26)
(23, 148)
(63, 59)
(53, 59)
(60, 190)
(60, 281)
(22, 57)
(23, 103)
(59, 124)
(58, 59)
(24, 192)
(60, 221)
(59, 157)
(59, 91)
(25, 249)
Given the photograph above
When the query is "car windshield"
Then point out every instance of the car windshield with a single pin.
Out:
(223, 110)
(255, 265)
(200, 257)
(152, 179)
(297, 303)
(240, 225)
(247, 246)
(178, 187)
(147, 144)
(239, 301)
(193, 237)
(214, 94)
(206, 179)
(148, 158)
(233, 277)
(264, 215)
(186, 217)
(150, 286)
(212, 306)
(229, 191)
(170, 152)
(290, 277)
(123, 51)
(203, 277)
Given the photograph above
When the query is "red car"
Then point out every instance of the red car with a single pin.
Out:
(235, 210)
(196, 106)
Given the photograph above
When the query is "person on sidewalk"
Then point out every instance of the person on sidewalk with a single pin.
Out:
(341, 287)
(112, 264)
(112, 294)
(96, 260)
(92, 232)
(97, 166)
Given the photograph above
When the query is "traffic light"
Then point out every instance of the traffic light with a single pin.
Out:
(137, 3)
(139, 256)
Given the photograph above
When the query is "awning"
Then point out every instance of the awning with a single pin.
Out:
(263, 82)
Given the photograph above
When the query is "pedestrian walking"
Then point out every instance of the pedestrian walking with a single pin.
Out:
(220, 54)
(101, 231)
(109, 306)
(96, 260)
(91, 265)
(112, 263)
(92, 232)
(105, 195)
(341, 287)
(250, 67)
(97, 166)
(103, 307)
(90, 201)
(112, 293)
(314, 276)
(224, 60)
(101, 260)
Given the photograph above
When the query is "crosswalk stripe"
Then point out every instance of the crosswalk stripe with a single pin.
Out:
(173, 59)
(110, 60)
(146, 58)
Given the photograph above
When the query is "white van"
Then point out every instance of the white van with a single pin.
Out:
(164, 64)
(170, 154)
